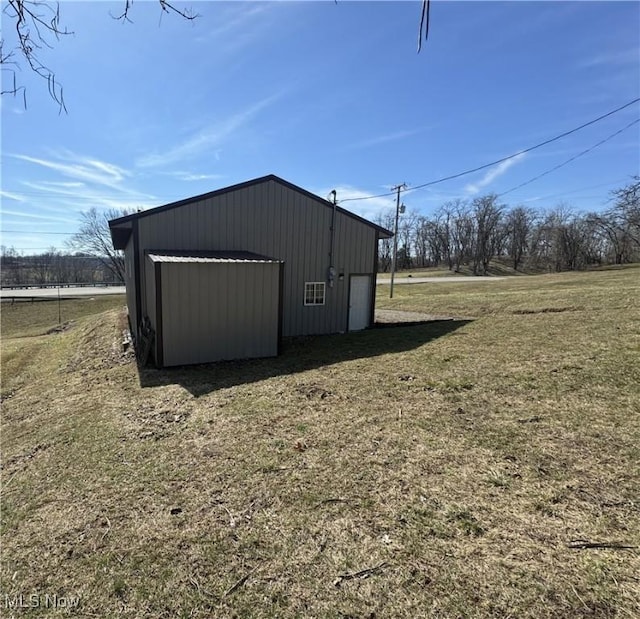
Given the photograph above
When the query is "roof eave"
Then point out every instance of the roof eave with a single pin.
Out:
(120, 234)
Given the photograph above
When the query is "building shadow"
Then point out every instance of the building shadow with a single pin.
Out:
(300, 354)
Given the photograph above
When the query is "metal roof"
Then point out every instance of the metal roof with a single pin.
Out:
(121, 227)
(221, 257)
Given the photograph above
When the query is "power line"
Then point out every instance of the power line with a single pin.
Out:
(380, 195)
(488, 165)
(564, 163)
(571, 191)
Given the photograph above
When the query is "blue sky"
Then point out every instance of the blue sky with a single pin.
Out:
(327, 96)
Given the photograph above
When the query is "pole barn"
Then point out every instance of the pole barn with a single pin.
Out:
(227, 274)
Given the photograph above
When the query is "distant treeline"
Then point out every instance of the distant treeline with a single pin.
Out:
(54, 267)
(472, 233)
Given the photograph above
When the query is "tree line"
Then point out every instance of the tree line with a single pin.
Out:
(473, 233)
(90, 258)
(53, 267)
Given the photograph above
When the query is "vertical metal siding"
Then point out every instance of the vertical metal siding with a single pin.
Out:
(130, 283)
(275, 221)
(150, 300)
(222, 311)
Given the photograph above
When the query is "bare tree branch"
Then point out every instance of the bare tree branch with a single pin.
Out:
(94, 238)
(424, 23)
(167, 7)
(36, 23)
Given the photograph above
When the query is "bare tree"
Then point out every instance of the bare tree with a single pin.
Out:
(443, 231)
(595, 249)
(43, 267)
(406, 239)
(36, 24)
(12, 268)
(462, 234)
(421, 239)
(616, 235)
(570, 244)
(558, 239)
(385, 245)
(626, 209)
(438, 237)
(94, 238)
(519, 222)
(561, 239)
(487, 216)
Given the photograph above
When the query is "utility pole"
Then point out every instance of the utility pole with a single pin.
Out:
(398, 189)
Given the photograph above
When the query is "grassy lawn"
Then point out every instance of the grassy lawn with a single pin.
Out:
(26, 318)
(482, 467)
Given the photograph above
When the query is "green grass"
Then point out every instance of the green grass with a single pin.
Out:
(439, 470)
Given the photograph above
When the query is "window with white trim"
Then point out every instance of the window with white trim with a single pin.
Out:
(314, 293)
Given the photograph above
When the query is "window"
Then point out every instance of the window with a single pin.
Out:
(314, 293)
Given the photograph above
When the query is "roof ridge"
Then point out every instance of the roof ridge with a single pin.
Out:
(114, 224)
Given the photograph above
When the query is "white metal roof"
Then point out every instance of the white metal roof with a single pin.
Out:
(210, 256)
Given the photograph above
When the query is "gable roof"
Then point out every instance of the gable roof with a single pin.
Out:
(120, 231)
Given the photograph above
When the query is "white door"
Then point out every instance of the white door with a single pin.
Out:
(359, 302)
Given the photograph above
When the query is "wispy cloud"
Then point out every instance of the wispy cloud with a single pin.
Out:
(240, 26)
(12, 196)
(39, 217)
(71, 197)
(237, 21)
(209, 137)
(190, 177)
(81, 168)
(493, 174)
(388, 137)
(73, 183)
(617, 58)
(63, 184)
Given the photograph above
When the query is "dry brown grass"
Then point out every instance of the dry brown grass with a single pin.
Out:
(439, 470)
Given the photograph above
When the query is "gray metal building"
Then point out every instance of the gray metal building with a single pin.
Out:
(227, 274)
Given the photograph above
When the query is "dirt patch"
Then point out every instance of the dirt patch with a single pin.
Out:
(389, 317)
(156, 420)
(313, 391)
(548, 310)
(65, 326)
(98, 348)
